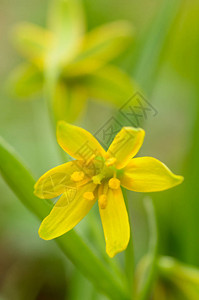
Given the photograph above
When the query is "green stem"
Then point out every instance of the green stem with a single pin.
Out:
(51, 78)
(22, 184)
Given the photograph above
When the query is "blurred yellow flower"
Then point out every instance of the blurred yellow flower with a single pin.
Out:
(97, 174)
(79, 61)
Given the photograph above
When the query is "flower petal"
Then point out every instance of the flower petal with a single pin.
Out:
(33, 42)
(67, 213)
(78, 142)
(66, 21)
(125, 145)
(115, 223)
(147, 174)
(99, 46)
(57, 180)
(26, 81)
(109, 84)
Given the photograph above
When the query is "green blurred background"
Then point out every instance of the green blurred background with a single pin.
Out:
(163, 58)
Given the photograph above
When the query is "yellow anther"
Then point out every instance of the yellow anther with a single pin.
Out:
(77, 176)
(89, 196)
(114, 183)
(102, 201)
(110, 161)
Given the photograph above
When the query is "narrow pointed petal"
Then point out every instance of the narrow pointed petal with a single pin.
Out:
(26, 81)
(109, 84)
(147, 174)
(78, 142)
(33, 42)
(125, 145)
(70, 209)
(115, 223)
(99, 46)
(57, 180)
(66, 21)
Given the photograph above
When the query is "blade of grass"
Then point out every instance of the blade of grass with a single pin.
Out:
(189, 198)
(150, 48)
(22, 183)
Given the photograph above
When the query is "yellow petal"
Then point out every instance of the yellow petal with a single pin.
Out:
(78, 142)
(106, 42)
(125, 145)
(67, 213)
(147, 174)
(57, 180)
(26, 81)
(33, 42)
(99, 46)
(109, 84)
(115, 223)
(66, 21)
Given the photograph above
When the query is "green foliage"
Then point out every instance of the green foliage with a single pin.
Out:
(71, 65)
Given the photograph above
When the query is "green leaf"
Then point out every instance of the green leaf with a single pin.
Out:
(22, 183)
(69, 101)
(109, 84)
(25, 81)
(33, 42)
(66, 21)
(99, 46)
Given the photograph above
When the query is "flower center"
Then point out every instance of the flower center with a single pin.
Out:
(104, 170)
(77, 176)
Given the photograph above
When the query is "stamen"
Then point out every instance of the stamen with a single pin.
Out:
(114, 183)
(110, 161)
(102, 201)
(77, 176)
(97, 178)
(89, 196)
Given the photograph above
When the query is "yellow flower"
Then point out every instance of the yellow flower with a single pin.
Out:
(98, 175)
(80, 61)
